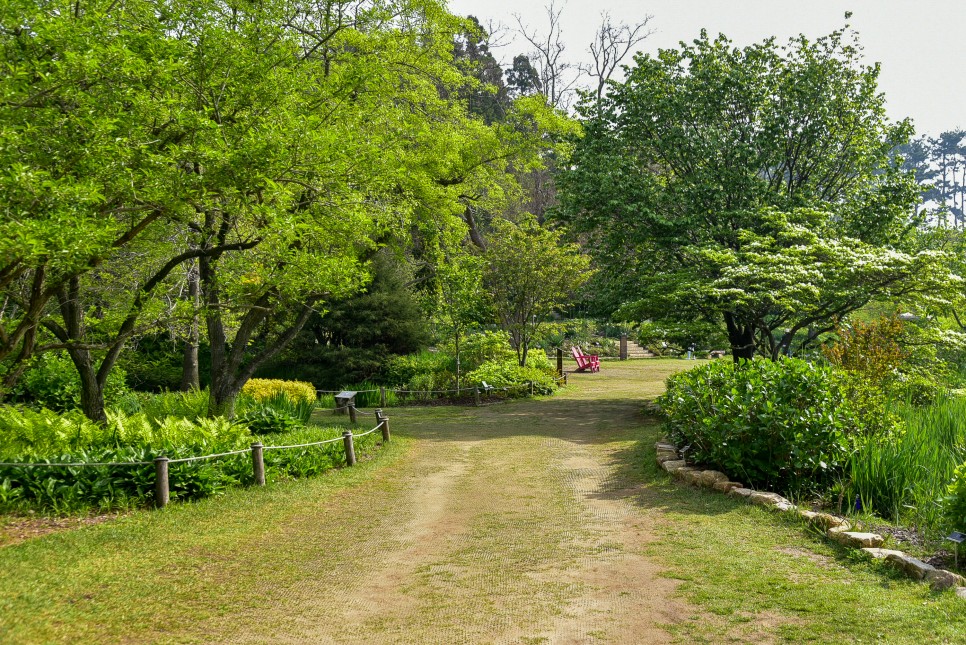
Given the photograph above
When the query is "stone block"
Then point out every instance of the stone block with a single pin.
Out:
(940, 579)
(711, 477)
(909, 565)
(880, 554)
(726, 487)
(665, 447)
(667, 456)
(672, 466)
(690, 475)
(961, 592)
(828, 522)
(856, 540)
(741, 492)
(769, 500)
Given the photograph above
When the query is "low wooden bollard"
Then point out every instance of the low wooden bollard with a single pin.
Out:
(162, 493)
(350, 451)
(559, 362)
(476, 396)
(382, 397)
(352, 413)
(258, 464)
(384, 422)
(531, 389)
(565, 378)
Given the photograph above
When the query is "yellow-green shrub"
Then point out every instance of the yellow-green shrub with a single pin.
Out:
(262, 389)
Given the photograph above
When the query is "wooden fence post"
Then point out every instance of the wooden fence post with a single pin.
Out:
(531, 389)
(384, 421)
(559, 362)
(161, 491)
(352, 413)
(565, 378)
(350, 452)
(258, 464)
(382, 397)
(623, 347)
(476, 396)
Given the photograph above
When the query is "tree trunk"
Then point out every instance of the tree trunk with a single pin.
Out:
(190, 379)
(222, 401)
(92, 389)
(742, 339)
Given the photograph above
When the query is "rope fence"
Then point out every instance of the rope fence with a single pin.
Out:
(161, 484)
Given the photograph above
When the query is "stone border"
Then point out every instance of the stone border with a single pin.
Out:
(835, 528)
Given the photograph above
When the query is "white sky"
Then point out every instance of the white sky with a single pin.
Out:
(921, 44)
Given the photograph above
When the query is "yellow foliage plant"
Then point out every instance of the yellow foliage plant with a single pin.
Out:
(261, 389)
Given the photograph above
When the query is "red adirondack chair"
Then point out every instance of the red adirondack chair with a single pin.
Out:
(585, 361)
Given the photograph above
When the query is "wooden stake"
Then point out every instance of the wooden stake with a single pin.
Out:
(384, 420)
(350, 452)
(161, 491)
(258, 464)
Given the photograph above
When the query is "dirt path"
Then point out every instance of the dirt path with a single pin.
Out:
(506, 524)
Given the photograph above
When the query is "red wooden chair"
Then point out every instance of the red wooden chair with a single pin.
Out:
(585, 361)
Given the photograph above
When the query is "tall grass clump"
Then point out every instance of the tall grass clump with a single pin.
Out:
(905, 475)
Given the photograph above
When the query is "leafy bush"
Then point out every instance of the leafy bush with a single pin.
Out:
(53, 382)
(484, 347)
(268, 420)
(898, 359)
(783, 425)
(261, 389)
(185, 405)
(508, 374)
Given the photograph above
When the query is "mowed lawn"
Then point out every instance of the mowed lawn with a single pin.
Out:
(531, 521)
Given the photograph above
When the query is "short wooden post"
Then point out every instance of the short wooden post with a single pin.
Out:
(531, 388)
(258, 464)
(623, 347)
(476, 396)
(382, 397)
(161, 491)
(352, 413)
(350, 452)
(565, 378)
(384, 422)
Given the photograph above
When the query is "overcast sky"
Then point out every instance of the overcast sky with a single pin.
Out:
(921, 44)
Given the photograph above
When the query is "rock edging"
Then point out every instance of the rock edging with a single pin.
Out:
(835, 528)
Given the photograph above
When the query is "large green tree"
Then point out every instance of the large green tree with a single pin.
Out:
(752, 185)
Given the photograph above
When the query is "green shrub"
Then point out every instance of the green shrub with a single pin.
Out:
(268, 420)
(185, 405)
(53, 382)
(782, 425)
(484, 347)
(508, 374)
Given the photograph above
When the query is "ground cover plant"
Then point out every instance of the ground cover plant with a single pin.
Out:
(174, 425)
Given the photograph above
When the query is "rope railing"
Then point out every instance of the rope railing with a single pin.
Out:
(45, 464)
